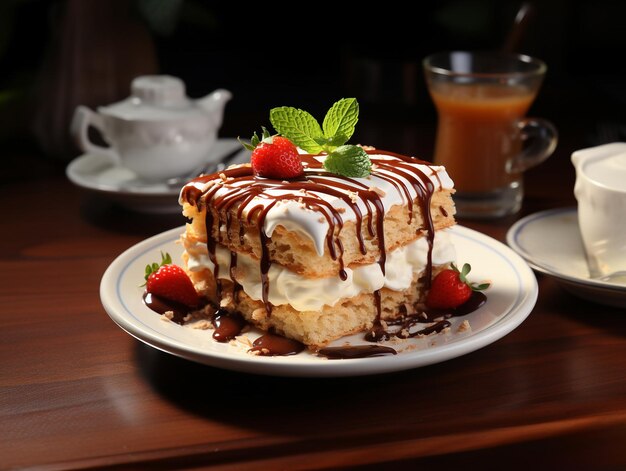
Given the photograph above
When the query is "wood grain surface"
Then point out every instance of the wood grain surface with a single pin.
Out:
(77, 392)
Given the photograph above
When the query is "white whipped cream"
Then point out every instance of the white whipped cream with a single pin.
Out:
(294, 217)
(311, 294)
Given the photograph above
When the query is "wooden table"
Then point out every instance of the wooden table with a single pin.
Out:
(77, 392)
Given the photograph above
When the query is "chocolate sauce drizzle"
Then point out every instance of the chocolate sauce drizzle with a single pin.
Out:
(243, 187)
(403, 327)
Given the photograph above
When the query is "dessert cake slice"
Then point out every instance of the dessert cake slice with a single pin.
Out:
(324, 255)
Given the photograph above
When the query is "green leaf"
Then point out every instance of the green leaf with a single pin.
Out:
(466, 269)
(298, 126)
(252, 144)
(349, 161)
(166, 259)
(341, 119)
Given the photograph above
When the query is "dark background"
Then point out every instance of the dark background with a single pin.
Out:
(55, 55)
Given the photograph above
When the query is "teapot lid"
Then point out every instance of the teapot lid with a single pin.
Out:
(154, 98)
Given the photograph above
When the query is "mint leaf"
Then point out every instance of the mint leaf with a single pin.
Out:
(329, 144)
(298, 126)
(349, 161)
(341, 118)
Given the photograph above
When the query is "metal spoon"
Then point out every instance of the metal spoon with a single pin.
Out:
(207, 168)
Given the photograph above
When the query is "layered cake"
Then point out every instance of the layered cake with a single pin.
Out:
(323, 255)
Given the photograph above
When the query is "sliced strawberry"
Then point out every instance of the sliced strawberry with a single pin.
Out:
(450, 288)
(171, 282)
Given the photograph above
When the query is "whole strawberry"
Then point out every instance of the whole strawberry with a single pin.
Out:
(274, 157)
(450, 288)
(170, 282)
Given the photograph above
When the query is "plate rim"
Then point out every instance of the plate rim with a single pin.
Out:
(525, 300)
(512, 240)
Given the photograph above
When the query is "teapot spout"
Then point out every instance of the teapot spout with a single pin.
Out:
(213, 104)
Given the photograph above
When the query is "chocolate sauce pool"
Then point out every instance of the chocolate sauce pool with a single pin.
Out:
(161, 305)
(273, 345)
(228, 325)
(356, 351)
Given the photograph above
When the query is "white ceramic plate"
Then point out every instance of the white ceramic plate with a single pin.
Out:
(510, 299)
(550, 241)
(97, 174)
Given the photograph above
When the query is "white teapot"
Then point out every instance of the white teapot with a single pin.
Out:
(157, 132)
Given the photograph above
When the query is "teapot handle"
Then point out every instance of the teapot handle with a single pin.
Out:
(83, 118)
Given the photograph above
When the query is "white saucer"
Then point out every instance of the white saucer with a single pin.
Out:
(550, 242)
(510, 299)
(97, 174)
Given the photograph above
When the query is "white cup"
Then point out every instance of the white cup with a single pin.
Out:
(601, 193)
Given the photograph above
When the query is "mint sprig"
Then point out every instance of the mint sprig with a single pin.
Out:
(337, 128)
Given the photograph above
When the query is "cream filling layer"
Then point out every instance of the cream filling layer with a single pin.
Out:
(312, 294)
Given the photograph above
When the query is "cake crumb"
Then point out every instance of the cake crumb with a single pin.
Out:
(167, 316)
(464, 326)
(378, 191)
(366, 147)
(354, 196)
(259, 314)
(247, 164)
(340, 210)
(202, 324)
(244, 340)
(226, 300)
(209, 184)
(223, 176)
(321, 220)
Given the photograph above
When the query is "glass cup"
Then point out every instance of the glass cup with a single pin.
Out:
(483, 138)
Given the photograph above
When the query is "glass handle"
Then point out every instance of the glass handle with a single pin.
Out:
(539, 137)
